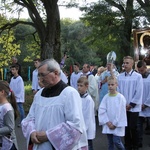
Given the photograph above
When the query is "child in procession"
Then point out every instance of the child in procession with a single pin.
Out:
(17, 86)
(87, 109)
(8, 110)
(112, 115)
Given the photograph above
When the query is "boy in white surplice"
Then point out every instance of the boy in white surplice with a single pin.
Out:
(88, 110)
(112, 115)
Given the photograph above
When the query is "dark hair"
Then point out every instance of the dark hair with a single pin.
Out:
(141, 63)
(77, 64)
(10, 95)
(37, 59)
(15, 66)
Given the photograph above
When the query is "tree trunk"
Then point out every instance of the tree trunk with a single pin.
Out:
(57, 51)
(50, 43)
(127, 29)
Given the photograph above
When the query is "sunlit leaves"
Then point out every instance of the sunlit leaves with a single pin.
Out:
(8, 48)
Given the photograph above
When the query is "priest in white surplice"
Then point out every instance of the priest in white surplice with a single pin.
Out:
(130, 84)
(145, 113)
(55, 119)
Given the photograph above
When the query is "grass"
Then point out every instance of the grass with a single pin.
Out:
(28, 96)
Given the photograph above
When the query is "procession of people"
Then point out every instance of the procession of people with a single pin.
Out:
(63, 113)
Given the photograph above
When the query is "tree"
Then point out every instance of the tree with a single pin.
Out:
(8, 47)
(28, 43)
(73, 41)
(45, 19)
(103, 37)
(112, 22)
(145, 5)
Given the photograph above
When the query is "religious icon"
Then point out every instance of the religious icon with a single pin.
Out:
(142, 45)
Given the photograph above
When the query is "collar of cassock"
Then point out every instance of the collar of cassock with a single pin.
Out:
(55, 90)
(130, 73)
(15, 77)
(145, 75)
(76, 72)
(84, 95)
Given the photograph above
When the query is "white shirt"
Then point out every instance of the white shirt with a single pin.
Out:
(113, 109)
(17, 86)
(146, 97)
(48, 112)
(74, 78)
(131, 86)
(35, 84)
(63, 77)
(89, 115)
(93, 88)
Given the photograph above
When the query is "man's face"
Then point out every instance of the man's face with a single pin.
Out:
(14, 61)
(14, 71)
(85, 69)
(36, 64)
(109, 66)
(75, 68)
(91, 67)
(128, 64)
(142, 70)
(46, 77)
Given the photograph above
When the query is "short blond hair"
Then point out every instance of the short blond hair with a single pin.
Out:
(83, 80)
(112, 78)
(128, 57)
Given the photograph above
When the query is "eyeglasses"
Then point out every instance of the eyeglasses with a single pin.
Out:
(41, 75)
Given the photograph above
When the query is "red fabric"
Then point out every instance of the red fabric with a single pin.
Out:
(30, 147)
(71, 70)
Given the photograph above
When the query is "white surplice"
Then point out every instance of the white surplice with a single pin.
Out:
(74, 78)
(17, 86)
(131, 86)
(63, 77)
(89, 115)
(93, 88)
(35, 83)
(146, 97)
(113, 109)
(47, 113)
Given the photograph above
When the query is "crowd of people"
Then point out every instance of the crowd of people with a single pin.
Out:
(62, 115)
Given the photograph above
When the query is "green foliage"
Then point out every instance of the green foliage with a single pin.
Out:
(28, 96)
(112, 22)
(8, 48)
(73, 41)
(29, 42)
(105, 24)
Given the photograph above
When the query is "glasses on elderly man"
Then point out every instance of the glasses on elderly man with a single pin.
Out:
(41, 75)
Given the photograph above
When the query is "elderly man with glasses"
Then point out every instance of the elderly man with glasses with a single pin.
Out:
(55, 119)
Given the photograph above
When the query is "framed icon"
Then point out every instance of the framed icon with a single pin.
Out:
(141, 38)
